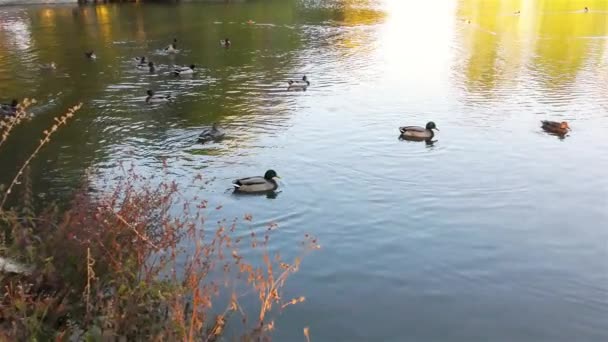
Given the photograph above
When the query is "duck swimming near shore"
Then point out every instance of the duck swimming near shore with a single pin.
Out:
(90, 55)
(253, 185)
(417, 132)
(211, 134)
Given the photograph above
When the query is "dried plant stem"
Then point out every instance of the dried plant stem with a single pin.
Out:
(121, 219)
(45, 140)
(11, 123)
(90, 276)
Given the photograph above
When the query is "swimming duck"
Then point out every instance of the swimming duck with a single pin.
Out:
(586, 9)
(298, 85)
(257, 184)
(210, 134)
(172, 47)
(90, 55)
(152, 98)
(225, 43)
(559, 128)
(179, 71)
(140, 60)
(9, 109)
(250, 22)
(517, 12)
(149, 66)
(304, 81)
(417, 132)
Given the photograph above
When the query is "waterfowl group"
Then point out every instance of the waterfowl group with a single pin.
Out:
(254, 185)
(211, 134)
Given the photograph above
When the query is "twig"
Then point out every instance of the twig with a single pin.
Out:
(47, 138)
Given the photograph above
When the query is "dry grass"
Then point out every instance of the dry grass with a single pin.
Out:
(120, 265)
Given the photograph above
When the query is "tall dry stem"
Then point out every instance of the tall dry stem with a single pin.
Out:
(60, 121)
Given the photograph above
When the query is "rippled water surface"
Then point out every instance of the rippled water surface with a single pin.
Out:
(496, 231)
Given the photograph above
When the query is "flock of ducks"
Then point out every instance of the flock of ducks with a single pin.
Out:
(268, 182)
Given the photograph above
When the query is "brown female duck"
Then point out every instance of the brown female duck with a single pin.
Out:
(559, 128)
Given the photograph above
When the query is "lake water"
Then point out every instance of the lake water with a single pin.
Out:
(498, 231)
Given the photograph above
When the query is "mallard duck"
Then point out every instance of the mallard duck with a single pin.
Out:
(149, 66)
(90, 55)
(257, 184)
(210, 134)
(417, 132)
(179, 71)
(304, 81)
(172, 47)
(9, 109)
(225, 42)
(152, 98)
(559, 128)
(298, 85)
(140, 60)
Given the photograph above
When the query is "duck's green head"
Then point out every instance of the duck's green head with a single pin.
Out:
(271, 175)
(431, 125)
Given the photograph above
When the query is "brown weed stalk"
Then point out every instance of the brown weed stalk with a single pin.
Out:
(46, 138)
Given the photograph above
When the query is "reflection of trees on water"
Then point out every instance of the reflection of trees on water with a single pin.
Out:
(551, 40)
(240, 85)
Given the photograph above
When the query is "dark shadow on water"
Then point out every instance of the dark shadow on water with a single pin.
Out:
(268, 194)
(427, 142)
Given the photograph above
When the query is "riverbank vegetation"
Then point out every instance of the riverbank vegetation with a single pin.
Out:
(125, 264)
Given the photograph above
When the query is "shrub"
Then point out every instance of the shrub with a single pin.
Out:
(118, 264)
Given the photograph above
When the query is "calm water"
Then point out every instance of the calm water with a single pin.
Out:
(496, 232)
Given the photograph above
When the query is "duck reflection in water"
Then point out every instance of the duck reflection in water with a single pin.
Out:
(427, 142)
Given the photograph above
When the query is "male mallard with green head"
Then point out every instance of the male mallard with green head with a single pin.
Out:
(257, 184)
